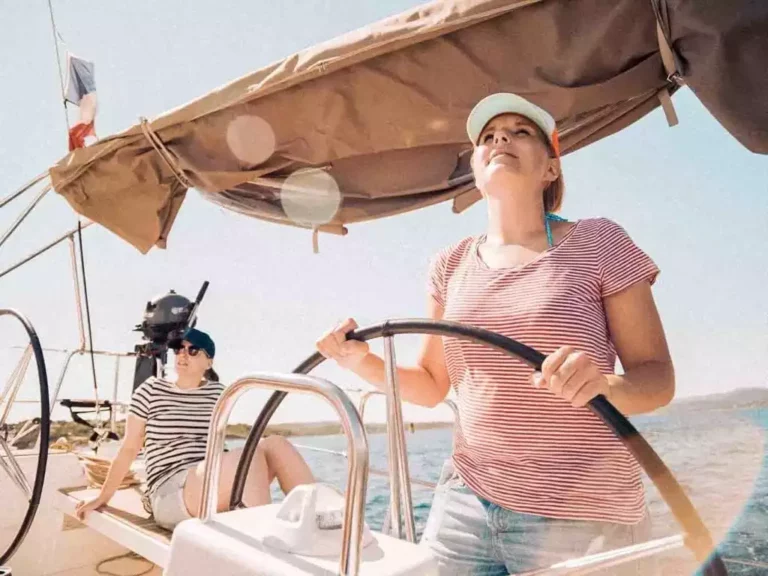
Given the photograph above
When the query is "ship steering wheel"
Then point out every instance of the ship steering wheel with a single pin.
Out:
(8, 462)
(698, 538)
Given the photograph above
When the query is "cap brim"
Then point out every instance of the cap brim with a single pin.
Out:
(497, 104)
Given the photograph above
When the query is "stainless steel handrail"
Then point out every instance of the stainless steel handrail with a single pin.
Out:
(81, 351)
(62, 374)
(357, 478)
(400, 482)
(396, 482)
(78, 297)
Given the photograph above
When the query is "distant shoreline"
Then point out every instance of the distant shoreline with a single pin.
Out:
(326, 428)
(743, 399)
(78, 434)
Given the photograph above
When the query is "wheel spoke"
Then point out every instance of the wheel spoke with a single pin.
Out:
(29, 427)
(14, 471)
(8, 461)
(14, 383)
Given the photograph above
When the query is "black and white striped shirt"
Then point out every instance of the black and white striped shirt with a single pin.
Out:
(177, 423)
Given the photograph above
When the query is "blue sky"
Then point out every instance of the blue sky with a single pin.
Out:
(690, 196)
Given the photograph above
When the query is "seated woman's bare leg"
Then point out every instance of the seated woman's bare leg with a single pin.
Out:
(275, 457)
(285, 463)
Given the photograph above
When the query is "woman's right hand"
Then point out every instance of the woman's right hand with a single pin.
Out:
(86, 506)
(335, 346)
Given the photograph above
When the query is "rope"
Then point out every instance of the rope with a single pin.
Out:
(88, 318)
(58, 64)
(127, 556)
(164, 153)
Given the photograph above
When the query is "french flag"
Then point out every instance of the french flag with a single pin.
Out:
(81, 91)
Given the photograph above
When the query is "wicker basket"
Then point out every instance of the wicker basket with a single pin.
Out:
(96, 470)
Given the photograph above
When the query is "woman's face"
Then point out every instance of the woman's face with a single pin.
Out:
(512, 154)
(191, 360)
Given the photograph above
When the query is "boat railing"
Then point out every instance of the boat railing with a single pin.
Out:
(13, 385)
(357, 451)
(420, 482)
(362, 405)
(391, 524)
(69, 237)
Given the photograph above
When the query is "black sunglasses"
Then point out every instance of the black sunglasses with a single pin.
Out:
(191, 350)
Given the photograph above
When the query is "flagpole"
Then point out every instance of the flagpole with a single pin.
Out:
(58, 64)
(56, 36)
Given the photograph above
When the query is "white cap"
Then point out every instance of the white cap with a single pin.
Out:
(504, 103)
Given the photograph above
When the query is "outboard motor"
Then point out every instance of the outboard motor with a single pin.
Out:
(166, 318)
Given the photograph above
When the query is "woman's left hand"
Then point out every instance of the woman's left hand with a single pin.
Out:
(572, 376)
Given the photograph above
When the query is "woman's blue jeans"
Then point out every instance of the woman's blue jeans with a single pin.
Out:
(471, 536)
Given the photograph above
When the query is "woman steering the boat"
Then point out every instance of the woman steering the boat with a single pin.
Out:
(535, 477)
(171, 421)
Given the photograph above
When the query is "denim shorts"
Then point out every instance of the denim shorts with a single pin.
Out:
(167, 501)
(470, 536)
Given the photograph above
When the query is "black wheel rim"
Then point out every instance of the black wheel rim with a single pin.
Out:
(45, 431)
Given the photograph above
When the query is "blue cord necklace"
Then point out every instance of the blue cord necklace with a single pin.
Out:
(549, 217)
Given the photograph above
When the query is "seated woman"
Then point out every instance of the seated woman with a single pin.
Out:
(171, 420)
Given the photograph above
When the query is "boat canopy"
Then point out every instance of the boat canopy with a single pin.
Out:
(382, 110)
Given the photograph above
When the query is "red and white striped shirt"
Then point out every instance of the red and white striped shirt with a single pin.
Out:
(521, 447)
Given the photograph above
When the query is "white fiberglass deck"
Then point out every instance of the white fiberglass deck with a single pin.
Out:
(232, 542)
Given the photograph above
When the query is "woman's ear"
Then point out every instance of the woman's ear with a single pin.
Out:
(553, 170)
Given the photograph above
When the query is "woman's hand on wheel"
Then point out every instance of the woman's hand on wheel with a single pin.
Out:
(335, 346)
(571, 375)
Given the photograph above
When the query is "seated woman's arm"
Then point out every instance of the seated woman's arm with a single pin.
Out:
(130, 448)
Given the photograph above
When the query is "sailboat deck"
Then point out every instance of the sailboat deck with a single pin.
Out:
(123, 520)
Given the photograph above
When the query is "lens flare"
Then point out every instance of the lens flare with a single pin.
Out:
(251, 139)
(310, 196)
